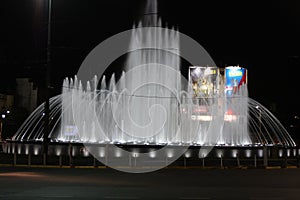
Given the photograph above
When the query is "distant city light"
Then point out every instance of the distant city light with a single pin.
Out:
(3, 116)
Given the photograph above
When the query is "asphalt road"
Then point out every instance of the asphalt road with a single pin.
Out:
(65, 183)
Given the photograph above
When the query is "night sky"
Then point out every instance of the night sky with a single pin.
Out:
(261, 36)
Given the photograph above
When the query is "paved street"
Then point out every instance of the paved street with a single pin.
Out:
(56, 183)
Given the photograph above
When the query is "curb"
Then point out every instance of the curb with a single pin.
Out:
(167, 167)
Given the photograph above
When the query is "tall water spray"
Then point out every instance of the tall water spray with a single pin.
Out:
(151, 85)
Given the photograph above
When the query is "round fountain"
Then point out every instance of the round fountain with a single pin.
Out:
(151, 105)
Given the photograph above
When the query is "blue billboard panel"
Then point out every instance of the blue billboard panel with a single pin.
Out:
(234, 78)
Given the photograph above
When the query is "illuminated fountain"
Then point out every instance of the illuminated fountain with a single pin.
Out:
(150, 104)
(217, 119)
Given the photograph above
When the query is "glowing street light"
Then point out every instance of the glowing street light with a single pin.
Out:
(4, 114)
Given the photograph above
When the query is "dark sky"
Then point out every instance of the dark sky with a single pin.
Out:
(262, 36)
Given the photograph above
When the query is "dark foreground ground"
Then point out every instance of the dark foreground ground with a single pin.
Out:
(74, 183)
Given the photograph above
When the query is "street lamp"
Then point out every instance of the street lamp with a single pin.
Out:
(47, 103)
(259, 109)
(1, 125)
(4, 114)
(265, 148)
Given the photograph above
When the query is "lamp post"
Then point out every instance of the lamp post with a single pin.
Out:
(47, 103)
(1, 125)
(259, 125)
(4, 114)
(265, 148)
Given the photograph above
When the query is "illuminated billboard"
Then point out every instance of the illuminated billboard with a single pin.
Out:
(234, 78)
(204, 80)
